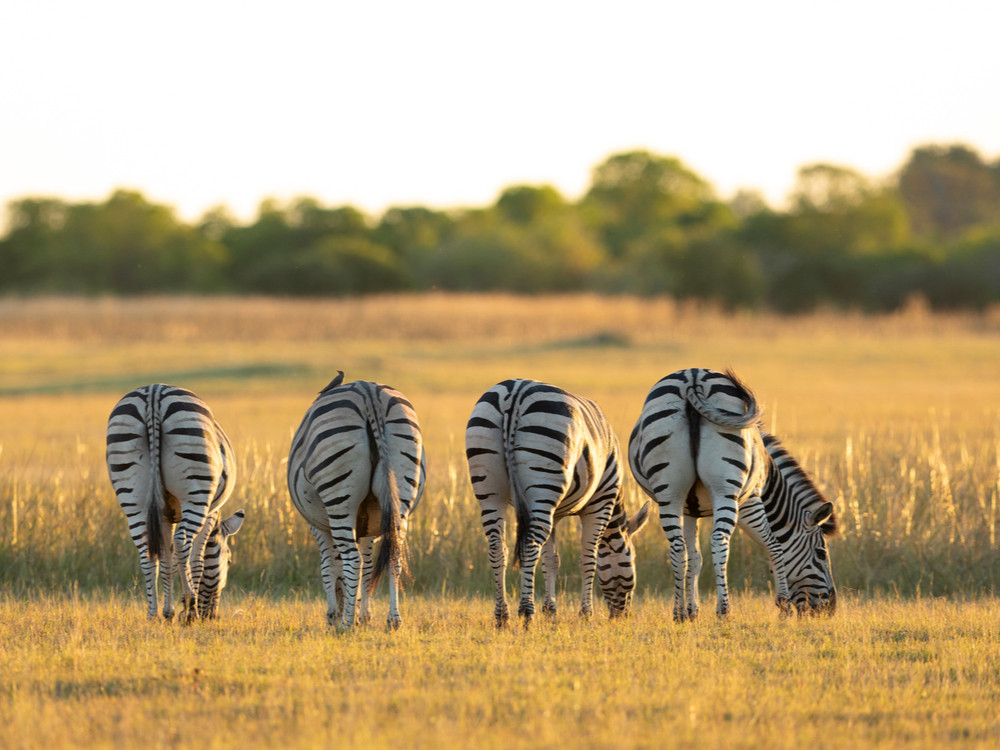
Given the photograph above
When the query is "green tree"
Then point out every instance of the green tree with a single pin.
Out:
(305, 248)
(528, 204)
(948, 190)
(126, 245)
(531, 240)
(838, 210)
(29, 252)
(635, 193)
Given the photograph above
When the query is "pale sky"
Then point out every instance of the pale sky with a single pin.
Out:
(445, 103)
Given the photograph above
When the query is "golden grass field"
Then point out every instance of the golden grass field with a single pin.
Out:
(896, 417)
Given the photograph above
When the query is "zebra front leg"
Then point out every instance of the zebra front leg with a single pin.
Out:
(753, 519)
(330, 572)
(364, 611)
(722, 530)
(550, 572)
(193, 518)
(694, 561)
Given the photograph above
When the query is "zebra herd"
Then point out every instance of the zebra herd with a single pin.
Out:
(357, 469)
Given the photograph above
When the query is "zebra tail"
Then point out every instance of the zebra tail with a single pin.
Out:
(392, 548)
(521, 510)
(154, 510)
(723, 417)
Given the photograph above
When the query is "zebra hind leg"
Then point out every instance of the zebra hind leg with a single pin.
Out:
(394, 620)
(494, 525)
(364, 608)
(150, 573)
(678, 555)
(169, 566)
(550, 572)
(529, 558)
(330, 572)
(350, 559)
(694, 561)
(721, 533)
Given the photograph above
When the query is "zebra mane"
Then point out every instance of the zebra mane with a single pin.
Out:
(796, 477)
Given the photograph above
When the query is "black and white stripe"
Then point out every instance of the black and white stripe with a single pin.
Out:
(551, 454)
(171, 466)
(356, 471)
(698, 450)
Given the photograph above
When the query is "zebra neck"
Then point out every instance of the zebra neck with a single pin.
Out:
(776, 496)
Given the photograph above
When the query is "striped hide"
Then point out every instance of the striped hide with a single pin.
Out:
(698, 450)
(172, 468)
(551, 454)
(356, 471)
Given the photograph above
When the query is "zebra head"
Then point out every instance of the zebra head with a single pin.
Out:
(803, 519)
(216, 558)
(616, 558)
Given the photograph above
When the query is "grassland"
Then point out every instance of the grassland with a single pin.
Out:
(83, 673)
(896, 417)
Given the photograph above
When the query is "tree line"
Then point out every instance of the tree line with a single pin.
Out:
(647, 225)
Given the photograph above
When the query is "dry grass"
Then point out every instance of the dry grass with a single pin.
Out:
(897, 417)
(880, 674)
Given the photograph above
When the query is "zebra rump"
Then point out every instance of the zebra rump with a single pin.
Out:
(356, 457)
(171, 466)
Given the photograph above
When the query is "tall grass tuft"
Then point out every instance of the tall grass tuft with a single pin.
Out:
(896, 419)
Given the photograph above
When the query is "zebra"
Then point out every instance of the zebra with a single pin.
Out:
(356, 470)
(172, 468)
(551, 454)
(698, 450)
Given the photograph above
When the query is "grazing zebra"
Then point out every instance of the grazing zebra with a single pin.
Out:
(356, 470)
(698, 450)
(551, 454)
(171, 464)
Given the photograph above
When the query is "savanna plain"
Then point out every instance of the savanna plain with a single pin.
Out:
(896, 417)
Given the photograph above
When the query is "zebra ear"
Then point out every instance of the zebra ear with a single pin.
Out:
(233, 524)
(822, 515)
(639, 519)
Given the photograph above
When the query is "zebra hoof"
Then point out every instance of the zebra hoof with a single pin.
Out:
(692, 614)
(526, 615)
(722, 612)
(549, 608)
(784, 608)
(680, 615)
(393, 623)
